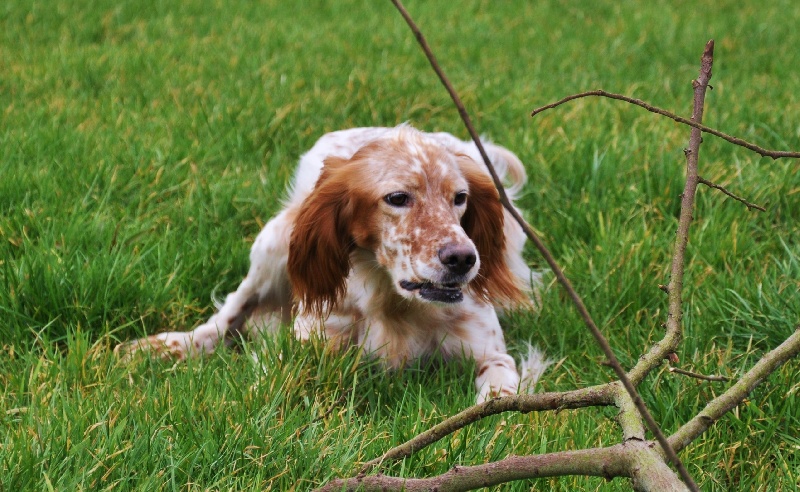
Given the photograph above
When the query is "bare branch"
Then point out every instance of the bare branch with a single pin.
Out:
(628, 417)
(775, 154)
(697, 375)
(576, 299)
(633, 459)
(750, 206)
(602, 395)
(674, 330)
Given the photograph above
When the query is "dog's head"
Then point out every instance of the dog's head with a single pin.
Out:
(431, 218)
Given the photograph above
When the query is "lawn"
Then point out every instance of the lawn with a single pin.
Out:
(144, 144)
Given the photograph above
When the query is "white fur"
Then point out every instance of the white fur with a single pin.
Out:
(389, 322)
(532, 367)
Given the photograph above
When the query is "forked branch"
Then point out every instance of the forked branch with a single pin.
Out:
(621, 460)
(593, 396)
(548, 257)
(635, 458)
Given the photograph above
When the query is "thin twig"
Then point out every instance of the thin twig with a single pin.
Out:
(698, 375)
(750, 206)
(775, 154)
(576, 299)
(462, 111)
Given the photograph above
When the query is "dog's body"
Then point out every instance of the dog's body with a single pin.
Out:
(392, 239)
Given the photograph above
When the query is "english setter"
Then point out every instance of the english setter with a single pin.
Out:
(392, 239)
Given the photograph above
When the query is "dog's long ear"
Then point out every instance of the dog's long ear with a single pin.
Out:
(483, 223)
(321, 242)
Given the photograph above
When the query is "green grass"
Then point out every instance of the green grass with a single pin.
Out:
(144, 144)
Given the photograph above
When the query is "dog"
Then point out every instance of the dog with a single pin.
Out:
(392, 239)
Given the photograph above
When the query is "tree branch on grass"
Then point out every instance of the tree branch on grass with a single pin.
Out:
(545, 252)
(643, 462)
(634, 458)
(621, 460)
(593, 396)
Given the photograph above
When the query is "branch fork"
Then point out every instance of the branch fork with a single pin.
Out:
(644, 462)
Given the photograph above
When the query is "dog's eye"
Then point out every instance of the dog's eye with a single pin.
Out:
(397, 199)
(461, 198)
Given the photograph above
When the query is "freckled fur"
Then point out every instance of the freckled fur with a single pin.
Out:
(336, 255)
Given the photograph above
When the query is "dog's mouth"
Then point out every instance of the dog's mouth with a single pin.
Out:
(448, 293)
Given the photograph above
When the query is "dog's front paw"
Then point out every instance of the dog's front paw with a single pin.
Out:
(494, 393)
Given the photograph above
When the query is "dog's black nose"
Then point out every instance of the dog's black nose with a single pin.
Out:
(458, 258)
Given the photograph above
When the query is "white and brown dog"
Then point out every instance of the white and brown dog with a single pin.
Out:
(392, 239)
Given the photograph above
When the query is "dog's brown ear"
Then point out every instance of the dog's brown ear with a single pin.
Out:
(483, 223)
(321, 242)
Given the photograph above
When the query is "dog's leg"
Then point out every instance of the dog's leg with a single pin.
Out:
(481, 337)
(497, 376)
(265, 291)
(497, 373)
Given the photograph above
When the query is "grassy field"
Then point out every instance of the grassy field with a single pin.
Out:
(143, 145)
